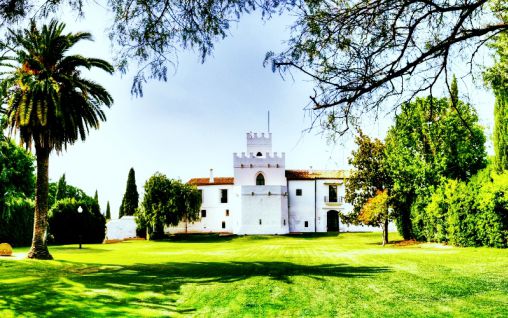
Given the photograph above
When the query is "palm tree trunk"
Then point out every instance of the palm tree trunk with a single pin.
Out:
(39, 249)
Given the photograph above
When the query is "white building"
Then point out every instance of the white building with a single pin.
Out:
(265, 198)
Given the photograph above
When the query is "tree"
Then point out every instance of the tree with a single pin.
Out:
(17, 185)
(376, 212)
(363, 53)
(131, 196)
(96, 197)
(359, 53)
(48, 102)
(108, 212)
(66, 224)
(496, 77)
(167, 202)
(430, 140)
(368, 179)
(61, 189)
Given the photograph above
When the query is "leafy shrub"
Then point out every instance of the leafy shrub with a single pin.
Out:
(66, 224)
(465, 214)
(17, 185)
(17, 221)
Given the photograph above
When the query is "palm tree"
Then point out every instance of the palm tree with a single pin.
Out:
(48, 102)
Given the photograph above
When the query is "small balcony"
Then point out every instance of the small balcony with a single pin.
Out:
(334, 201)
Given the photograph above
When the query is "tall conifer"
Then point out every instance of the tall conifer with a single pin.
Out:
(108, 212)
(131, 196)
(497, 78)
(61, 190)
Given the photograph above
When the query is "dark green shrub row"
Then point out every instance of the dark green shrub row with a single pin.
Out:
(66, 224)
(473, 213)
(17, 221)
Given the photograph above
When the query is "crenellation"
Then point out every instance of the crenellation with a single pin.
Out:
(260, 191)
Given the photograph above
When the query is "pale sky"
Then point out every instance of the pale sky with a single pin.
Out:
(197, 119)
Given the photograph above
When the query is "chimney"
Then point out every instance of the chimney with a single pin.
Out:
(211, 176)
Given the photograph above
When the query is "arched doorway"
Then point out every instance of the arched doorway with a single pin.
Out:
(332, 221)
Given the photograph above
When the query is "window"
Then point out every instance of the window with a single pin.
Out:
(223, 224)
(284, 221)
(332, 193)
(259, 221)
(203, 213)
(306, 223)
(299, 192)
(224, 196)
(260, 179)
(227, 212)
(259, 154)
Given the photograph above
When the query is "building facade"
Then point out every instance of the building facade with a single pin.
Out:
(263, 197)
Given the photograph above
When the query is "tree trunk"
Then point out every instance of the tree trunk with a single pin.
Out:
(39, 249)
(385, 232)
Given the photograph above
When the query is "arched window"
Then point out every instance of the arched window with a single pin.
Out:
(260, 179)
(259, 154)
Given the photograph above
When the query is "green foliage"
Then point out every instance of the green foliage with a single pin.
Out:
(368, 177)
(131, 197)
(43, 83)
(375, 211)
(66, 224)
(108, 212)
(62, 190)
(16, 170)
(16, 220)
(473, 213)
(48, 102)
(167, 202)
(432, 139)
(17, 186)
(496, 77)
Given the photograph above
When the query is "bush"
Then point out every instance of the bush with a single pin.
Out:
(17, 185)
(466, 214)
(66, 224)
(17, 221)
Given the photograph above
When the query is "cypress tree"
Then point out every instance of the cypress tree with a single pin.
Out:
(96, 197)
(131, 196)
(61, 190)
(108, 212)
(454, 90)
(501, 130)
(496, 77)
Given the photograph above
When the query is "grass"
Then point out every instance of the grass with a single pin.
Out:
(349, 275)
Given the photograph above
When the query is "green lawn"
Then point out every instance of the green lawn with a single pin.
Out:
(348, 275)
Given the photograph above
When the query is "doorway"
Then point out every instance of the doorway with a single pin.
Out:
(332, 221)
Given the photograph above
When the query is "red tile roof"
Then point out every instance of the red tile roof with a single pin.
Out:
(216, 181)
(316, 174)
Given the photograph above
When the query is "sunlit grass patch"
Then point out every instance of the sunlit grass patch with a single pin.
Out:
(329, 275)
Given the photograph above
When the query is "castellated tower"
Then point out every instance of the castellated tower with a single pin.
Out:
(259, 163)
(262, 187)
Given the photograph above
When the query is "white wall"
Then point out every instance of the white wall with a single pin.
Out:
(247, 166)
(265, 203)
(301, 208)
(259, 143)
(215, 212)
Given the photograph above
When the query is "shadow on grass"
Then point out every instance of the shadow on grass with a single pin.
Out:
(91, 290)
(314, 234)
(200, 238)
